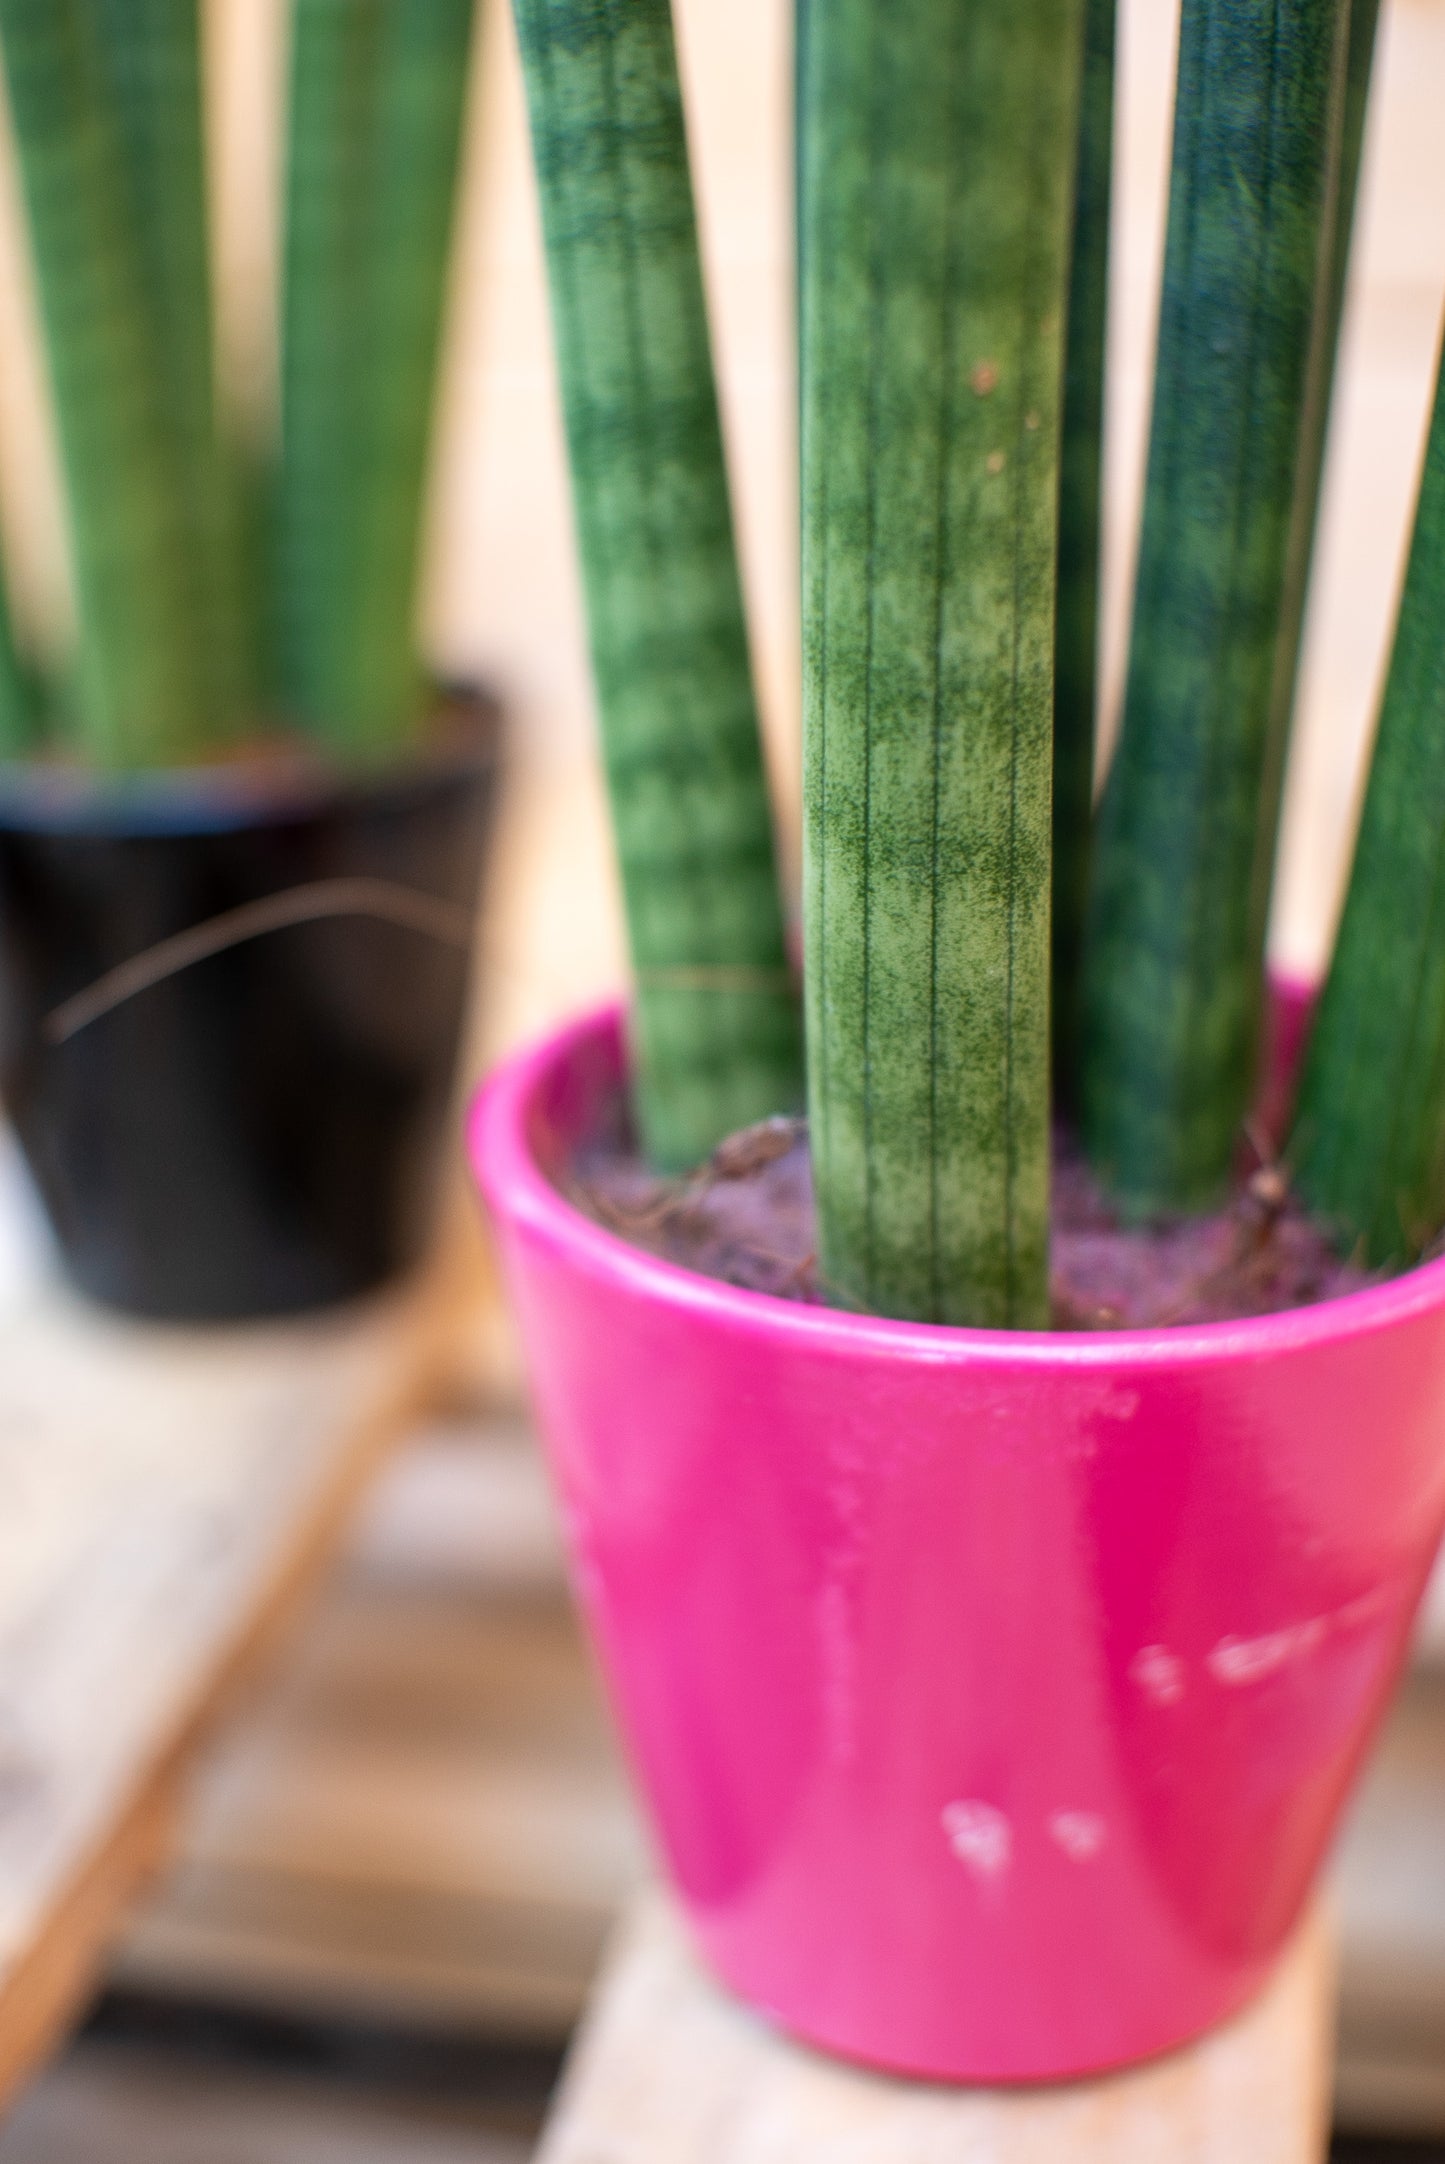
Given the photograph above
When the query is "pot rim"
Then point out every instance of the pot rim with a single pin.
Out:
(293, 779)
(518, 1191)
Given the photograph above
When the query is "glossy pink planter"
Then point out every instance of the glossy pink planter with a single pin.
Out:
(995, 1695)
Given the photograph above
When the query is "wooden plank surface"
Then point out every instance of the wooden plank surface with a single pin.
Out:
(1390, 1901)
(164, 1496)
(422, 1818)
(670, 2071)
(114, 2105)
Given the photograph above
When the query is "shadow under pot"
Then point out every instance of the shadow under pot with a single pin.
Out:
(231, 1007)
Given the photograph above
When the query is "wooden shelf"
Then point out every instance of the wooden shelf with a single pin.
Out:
(1390, 1898)
(165, 1496)
(421, 1819)
(670, 2071)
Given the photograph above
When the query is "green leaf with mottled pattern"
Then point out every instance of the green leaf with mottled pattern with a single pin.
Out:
(141, 676)
(19, 715)
(376, 108)
(1369, 1139)
(938, 170)
(1173, 962)
(151, 52)
(1076, 633)
(717, 1041)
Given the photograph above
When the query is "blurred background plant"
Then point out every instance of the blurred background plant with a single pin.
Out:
(225, 592)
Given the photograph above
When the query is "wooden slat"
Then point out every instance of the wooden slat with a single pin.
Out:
(1390, 1897)
(52, 1975)
(114, 2101)
(422, 1818)
(165, 1495)
(670, 2071)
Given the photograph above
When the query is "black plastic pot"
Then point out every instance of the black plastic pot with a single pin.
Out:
(231, 1005)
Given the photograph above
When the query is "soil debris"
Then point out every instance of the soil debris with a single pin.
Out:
(746, 1217)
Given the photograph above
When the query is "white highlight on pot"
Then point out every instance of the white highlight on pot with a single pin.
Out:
(1159, 1674)
(1237, 1661)
(980, 1837)
(1080, 1834)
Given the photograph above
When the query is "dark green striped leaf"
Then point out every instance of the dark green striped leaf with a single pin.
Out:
(1369, 1142)
(141, 681)
(717, 1031)
(376, 108)
(1174, 951)
(938, 168)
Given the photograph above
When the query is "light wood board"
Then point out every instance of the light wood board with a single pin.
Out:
(1390, 1899)
(119, 2103)
(670, 2071)
(164, 1495)
(422, 1818)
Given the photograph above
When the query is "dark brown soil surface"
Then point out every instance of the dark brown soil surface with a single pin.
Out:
(747, 1218)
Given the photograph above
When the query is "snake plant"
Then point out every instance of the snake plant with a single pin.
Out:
(717, 1030)
(140, 676)
(377, 91)
(151, 53)
(953, 179)
(937, 188)
(1080, 505)
(18, 706)
(173, 660)
(1369, 1144)
(1174, 955)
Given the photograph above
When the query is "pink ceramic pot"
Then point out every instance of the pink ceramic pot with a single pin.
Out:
(995, 1695)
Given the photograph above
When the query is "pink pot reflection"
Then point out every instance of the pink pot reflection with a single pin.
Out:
(995, 1696)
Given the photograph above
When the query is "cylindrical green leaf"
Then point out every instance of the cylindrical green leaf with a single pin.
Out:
(377, 96)
(717, 1034)
(325, 323)
(140, 681)
(1174, 946)
(152, 62)
(801, 13)
(1369, 1140)
(1338, 226)
(938, 182)
(1076, 635)
(18, 716)
(424, 52)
